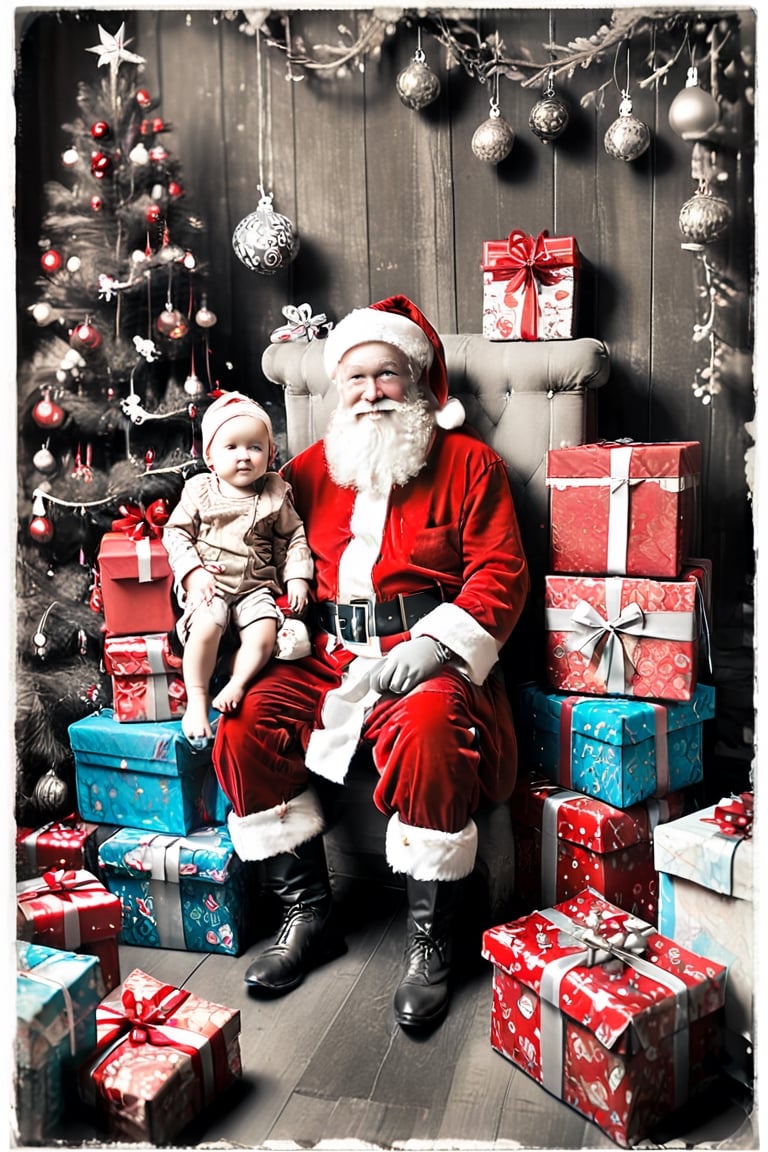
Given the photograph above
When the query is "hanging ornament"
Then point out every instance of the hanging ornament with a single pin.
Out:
(50, 261)
(417, 85)
(47, 414)
(172, 323)
(143, 98)
(193, 385)
(175, 189)
(265, 241)
(43, 313)
(101, 164)
(41, 529)
(493, 139)
(158, 513)
(70, 157)
(705, 217)
(627, 137)
(85, 338)
(96, 203)
(204, 318)
(50, 793)
(550, 115)
(44, 460)
(694, 112)
(100, 130)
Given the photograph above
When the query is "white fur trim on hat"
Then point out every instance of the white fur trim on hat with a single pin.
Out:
(372, 325)
(227, 407)
(261, 835)
(426, 854)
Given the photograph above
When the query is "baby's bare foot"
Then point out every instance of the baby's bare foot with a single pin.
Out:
(228, 699)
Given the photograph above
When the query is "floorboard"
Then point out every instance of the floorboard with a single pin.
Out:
(327, 1067)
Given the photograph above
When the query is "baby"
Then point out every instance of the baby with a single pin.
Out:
(235, 542)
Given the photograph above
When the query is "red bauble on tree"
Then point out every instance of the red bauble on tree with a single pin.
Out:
(143, 98)
(41, 529)
(100, 130)
(101, 164)
(50, 261)
(46, 413)
(158, 513)
(85, 338)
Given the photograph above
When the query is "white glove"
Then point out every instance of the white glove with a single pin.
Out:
(408, 664)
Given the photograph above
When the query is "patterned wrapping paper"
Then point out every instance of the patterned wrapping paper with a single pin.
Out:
(706, 876)
(143, 775)
(624, 636)
(565, 842)
(530, 287)
(147, 678)
(624, 508)
(616, 749)
(69, 843)
(608, 1015)
(178, 892)
(136, 584)
(163, 1055)
(56, 997)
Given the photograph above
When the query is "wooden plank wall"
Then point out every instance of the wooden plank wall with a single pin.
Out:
(388, 200)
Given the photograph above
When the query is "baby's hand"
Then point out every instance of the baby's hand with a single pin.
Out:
(297, 591)
(199, 586)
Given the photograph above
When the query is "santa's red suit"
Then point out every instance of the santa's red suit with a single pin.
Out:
(445, 550)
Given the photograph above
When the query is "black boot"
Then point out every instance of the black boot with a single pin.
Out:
(305, 938)
(421, 998)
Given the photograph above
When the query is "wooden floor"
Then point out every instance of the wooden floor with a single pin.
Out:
(327, 1066)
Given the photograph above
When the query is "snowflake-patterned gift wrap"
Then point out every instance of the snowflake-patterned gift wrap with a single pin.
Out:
(565, 842)
(623, 635)
(178, 892)
(615, 748)
(56, 997)
(71, 909)
(624, 509)
(143, 775)
(611, 1017)
(706, 901)
(147, 678)
(530, 287)
(66, 843)
(136, 584)
(163, 1056)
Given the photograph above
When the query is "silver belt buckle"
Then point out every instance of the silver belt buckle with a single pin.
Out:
(360, 622)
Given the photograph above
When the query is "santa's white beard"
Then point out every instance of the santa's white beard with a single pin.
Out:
(373, 454)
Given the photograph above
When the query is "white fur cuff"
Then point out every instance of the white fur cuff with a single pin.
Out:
(261, 835)
(426, 854)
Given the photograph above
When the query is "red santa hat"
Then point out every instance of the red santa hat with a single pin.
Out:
(227, 407)
(399, 322)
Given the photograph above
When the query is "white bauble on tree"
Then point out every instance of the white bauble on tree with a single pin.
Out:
(265, 241)
(694, 112)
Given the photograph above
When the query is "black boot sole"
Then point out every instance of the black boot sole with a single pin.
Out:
(331, 950)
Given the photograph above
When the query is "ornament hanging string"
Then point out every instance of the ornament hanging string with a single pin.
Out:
(265, 119)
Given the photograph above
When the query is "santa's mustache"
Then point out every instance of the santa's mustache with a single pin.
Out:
(364, 407)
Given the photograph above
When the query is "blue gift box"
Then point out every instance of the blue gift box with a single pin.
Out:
(617, 749)
(57, 994)
(144, 775)
(184, 892)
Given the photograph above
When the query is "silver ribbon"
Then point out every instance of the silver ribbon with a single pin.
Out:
(158, 702)
(144, 559)
(597, 951)
(49, 1032)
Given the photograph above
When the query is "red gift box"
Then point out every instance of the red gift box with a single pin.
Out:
(71, 909)
(609, 1016)
(623, 509)
(566, 841)
(61, 844)
(162, 1055)
(147, 680)
(529, 287)
(136, 584)
(624, 636)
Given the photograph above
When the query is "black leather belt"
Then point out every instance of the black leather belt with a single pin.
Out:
(361, 619)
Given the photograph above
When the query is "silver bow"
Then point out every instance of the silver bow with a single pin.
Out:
(597, 635)
(301, 324)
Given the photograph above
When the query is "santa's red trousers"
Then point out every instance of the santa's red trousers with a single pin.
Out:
(426, 745)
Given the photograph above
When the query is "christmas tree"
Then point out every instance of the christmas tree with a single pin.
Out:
(109, 401)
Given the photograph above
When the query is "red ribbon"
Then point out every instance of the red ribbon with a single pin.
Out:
(734, 816)
(136, 523)
(59, 880)
(530, 264)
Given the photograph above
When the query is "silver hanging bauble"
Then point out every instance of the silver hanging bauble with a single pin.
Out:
(44, 460)
(50, 794)
(627, 138)
(264, 240)
(705, 217)
(493, 139)
(417, 85)
(549, 116)
(694, 112)
(194, 387)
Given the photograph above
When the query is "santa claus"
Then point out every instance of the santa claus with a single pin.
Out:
(420, 578)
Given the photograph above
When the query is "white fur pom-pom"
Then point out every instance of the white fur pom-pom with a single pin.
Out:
(452, 414)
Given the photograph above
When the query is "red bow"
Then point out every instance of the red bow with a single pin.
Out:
(59, 880)
(136, 522)
(531, 265)
(734, 816)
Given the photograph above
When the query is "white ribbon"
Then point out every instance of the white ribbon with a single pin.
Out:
(144, 559)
